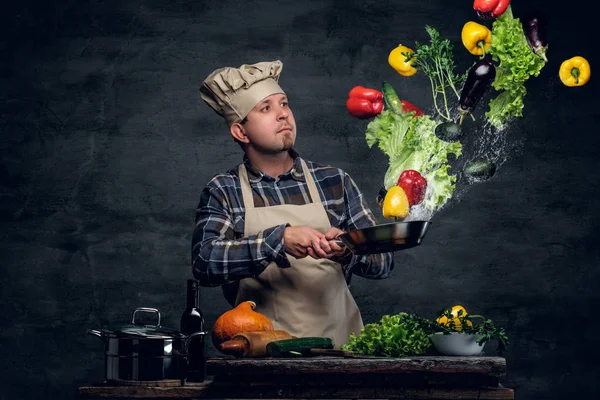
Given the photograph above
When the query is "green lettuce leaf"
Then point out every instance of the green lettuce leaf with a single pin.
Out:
(397, 335)
(516, 63)
(506, 105)
(410, 143)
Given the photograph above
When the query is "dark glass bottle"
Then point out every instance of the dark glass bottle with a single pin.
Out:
(192, 321)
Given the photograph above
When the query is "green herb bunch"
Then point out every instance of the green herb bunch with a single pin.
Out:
(397, 335)
(436, 60)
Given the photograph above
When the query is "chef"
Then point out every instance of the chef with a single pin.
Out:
(265, 229)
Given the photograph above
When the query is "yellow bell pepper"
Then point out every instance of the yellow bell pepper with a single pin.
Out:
(397, 60)
(476, 38)
(395, 203)
(454, 311)
(575, 71)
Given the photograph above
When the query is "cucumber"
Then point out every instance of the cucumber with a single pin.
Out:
(448, 131)
(391, 99)
(480, 169)
(297, 346)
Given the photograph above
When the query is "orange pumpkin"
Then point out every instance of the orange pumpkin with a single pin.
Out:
(241, 319)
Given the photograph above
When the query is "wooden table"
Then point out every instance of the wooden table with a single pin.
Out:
(326, 377)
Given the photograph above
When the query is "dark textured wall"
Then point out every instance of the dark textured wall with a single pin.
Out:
(106, 146)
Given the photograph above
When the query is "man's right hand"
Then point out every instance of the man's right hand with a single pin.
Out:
(297, 239)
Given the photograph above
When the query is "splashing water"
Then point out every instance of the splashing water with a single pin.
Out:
(484, 143)
(419, 212)
(480, 141)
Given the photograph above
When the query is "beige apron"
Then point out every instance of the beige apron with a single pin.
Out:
(311, 298)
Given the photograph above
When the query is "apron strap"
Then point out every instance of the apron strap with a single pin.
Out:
(310, 182)
(246, 189)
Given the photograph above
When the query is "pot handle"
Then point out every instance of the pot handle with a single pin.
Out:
(146, 309)
(95, 332)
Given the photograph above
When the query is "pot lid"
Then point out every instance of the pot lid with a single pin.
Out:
(142, 331)
(137, 330)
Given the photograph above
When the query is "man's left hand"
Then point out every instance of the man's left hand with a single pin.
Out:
(326, 247)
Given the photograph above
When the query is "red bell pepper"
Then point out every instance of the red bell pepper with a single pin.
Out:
(407, 106)
(490, 9)
(414, 186)
(364, 103)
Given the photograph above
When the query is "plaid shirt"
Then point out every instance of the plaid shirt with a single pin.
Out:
(220, 252)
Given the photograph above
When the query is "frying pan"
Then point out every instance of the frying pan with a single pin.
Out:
(384, 238)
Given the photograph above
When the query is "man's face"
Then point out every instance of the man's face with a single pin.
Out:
(270, 126)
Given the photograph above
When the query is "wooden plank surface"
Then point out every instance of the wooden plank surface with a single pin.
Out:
(201, 391)
(366, 380)
(336, 365)
(326, 377)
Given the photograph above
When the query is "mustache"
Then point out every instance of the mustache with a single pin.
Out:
(285, 126)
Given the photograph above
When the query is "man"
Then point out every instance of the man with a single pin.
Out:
(265, 230)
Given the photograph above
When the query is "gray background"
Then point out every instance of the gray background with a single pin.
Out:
(106, 146)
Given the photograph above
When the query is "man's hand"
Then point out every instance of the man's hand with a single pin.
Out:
(297, 239)
(326, 247)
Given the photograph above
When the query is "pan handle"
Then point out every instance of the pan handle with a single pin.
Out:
(338, 242)
(341, 243)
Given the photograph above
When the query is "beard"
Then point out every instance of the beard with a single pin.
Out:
(282, 142)
(287, 141)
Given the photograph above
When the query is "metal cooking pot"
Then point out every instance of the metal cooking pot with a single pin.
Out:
(385, 238)
(138, 352)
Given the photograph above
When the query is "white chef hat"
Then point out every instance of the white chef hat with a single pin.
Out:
(233, 92)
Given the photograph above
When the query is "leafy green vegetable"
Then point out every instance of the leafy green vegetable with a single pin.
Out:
(410, 143)
(437, 62)
(517, 63)
(485, 330)
(395, 336)
(406, 334)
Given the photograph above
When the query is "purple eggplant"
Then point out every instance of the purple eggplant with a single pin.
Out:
(479, 79)
(534, 28)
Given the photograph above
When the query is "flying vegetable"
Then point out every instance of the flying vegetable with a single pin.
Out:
(479, 79)
(575, 71)
(476, 38)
